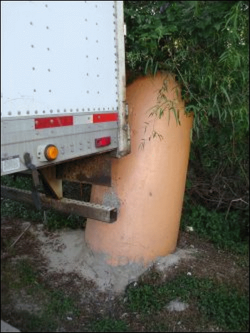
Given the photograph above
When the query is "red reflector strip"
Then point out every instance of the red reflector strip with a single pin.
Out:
(105, 117)
(103, 142)
(53, 122)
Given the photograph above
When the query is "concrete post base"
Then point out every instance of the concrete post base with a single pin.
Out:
(147, 185)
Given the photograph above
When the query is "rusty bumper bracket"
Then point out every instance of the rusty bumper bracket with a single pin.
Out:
(69, 206)
(92, 170)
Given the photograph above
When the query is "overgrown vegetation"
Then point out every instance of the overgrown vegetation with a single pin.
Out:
(218, 302)
(227, 232)
(205, 45)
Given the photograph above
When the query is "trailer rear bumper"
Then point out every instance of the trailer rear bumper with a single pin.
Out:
(64, 205)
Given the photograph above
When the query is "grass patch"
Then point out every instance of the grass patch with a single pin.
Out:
(37, 323)
(56, 306)
(217, 302)
(26, 273)
(21, 274)
(60, 305)
(108, 325)
(225, 306)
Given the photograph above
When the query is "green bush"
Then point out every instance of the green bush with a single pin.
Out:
(205, 45)
(227, 231)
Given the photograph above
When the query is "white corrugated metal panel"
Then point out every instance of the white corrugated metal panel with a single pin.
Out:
(58, 57)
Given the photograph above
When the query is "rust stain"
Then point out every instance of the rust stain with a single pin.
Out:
(94, 170)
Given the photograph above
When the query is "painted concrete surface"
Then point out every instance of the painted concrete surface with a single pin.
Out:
(147, 185)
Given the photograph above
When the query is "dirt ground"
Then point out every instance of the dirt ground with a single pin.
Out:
(47, 253)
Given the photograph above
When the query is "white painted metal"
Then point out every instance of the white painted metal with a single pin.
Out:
(58, 55)
(123, 130)
(40, 153)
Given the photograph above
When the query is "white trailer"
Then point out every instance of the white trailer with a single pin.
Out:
(62, 90)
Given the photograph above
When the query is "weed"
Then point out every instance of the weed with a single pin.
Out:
(60, 305)
(26, 272)
(56, 305)
(23, 274)
(218, 302)
(108, 325)
(23, 183)
(243, 261)
(55, 220)
(145, 298)
(37, 323)
(225, 306)
(10, 208)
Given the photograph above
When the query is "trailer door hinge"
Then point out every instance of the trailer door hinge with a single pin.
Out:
(125, 29)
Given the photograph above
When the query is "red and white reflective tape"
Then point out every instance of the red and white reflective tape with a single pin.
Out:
(104, 117)
(61, 121)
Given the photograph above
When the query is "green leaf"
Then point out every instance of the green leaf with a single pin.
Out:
(156, 67)
(147, 64)
(226, 94)
(217, 26)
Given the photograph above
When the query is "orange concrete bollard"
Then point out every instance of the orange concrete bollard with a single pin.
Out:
(147, 185)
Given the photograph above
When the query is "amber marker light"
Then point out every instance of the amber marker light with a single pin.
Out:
(51, 152)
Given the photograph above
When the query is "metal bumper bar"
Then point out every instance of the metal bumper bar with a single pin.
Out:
(69, 206)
